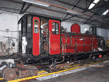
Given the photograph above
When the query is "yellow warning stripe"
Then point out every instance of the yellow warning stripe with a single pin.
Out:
(41, 71)
(33, 77)
(1, 78)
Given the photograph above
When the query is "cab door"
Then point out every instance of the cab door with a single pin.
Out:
(54, 37)
(36, 36)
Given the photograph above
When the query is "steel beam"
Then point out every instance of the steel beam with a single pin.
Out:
(86, 4)
(69, 18)
(86, 9)
(42, 8)
(72, 9)
(26, 8)
(93, 15)
(75, 6)
(22, 7)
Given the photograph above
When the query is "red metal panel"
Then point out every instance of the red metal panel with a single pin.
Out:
(36, 37)
(80, 43)
(87, 45)
(95, 43)
(75, 28)
(68, 44)
(54, 39)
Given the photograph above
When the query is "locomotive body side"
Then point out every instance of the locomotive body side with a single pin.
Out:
(49, 43)
(78, 43)
(47, 38)
(75, 42)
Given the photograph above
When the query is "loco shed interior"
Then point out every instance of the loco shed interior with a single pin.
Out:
(46, 37)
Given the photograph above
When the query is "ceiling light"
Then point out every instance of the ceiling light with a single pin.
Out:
(36, 3)
(91, 6)
(105, 12)
(73, 12)
(96, 1)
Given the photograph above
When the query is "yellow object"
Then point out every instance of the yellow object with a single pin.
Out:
(108, 45)
(1, 78)
(41, 71)
(107, 41)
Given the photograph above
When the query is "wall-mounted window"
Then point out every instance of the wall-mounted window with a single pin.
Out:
(36, 25)
(55, 28)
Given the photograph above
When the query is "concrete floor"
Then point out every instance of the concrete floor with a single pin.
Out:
(93, 74)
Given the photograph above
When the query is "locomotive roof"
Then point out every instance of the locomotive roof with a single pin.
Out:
(39, 15)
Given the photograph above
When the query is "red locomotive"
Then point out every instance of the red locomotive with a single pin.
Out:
(43, 41)
(48, 43)
(45, 38)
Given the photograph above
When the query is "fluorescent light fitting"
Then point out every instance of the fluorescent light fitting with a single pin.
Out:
(105, 12)
(91, 6)
(36, 3)
(96, 1)
(73, 12)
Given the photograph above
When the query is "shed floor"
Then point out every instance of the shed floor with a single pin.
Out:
(98, 73)
(93, 74)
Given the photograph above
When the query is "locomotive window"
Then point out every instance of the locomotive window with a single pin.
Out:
(36, 22)
(29, 22)
(55, 29)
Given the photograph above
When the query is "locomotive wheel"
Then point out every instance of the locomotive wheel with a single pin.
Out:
(9, 74)
(4, 70)
(33, 70)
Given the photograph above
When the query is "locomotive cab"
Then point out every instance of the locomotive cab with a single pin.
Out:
(39, 35)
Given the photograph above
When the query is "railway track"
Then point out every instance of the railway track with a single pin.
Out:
(70, 69)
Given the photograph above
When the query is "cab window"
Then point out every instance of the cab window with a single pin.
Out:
(55, 28)
(36, 22)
